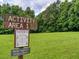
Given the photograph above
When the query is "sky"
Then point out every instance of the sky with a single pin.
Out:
(37, 5)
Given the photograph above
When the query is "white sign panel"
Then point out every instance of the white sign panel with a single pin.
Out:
(22, 38)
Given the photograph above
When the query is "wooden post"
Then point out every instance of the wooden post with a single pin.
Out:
(20, 57)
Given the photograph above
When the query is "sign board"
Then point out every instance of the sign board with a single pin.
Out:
(16, 22)
(20, 51)
(21, 38)
(22, 25)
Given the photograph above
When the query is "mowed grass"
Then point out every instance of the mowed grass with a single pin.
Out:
(60, 45)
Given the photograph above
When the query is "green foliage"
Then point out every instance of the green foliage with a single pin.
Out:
(62, 16)
(58, 17)
(47, 19)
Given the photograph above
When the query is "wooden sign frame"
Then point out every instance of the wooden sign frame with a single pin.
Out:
(17, 22)
(15, 38)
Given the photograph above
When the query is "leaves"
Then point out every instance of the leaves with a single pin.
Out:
(62, 16)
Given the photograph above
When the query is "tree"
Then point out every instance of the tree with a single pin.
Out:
(29, 12)
(47, 19)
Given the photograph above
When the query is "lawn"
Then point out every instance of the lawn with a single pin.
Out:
(60, 45)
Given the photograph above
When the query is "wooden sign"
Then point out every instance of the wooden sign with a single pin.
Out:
(21, 38)
(16, 22)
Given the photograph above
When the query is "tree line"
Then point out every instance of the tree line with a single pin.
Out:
(58, 17)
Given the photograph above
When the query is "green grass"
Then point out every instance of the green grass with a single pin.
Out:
(61, 45)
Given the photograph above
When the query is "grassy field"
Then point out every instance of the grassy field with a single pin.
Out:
(63, 45)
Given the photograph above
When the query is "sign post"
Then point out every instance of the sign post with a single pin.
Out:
(20, 57)
(22, 25)
(21, 40)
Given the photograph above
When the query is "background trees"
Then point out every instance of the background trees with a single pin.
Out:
(47, 19)
(58, 17)
(63, 16)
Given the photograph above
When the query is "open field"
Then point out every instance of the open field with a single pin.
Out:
(60, 45)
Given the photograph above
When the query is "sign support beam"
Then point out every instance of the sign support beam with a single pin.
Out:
(20, 57)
